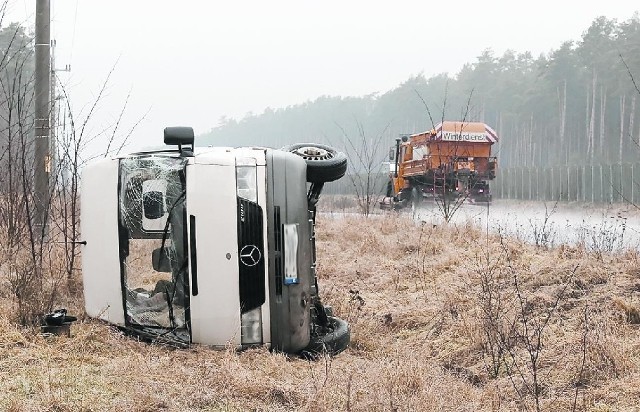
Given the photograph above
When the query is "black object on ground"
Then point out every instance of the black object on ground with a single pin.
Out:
(329, 340)
(57, 323)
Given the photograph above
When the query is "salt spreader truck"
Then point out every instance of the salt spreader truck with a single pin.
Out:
(214, 246)
(452, 161)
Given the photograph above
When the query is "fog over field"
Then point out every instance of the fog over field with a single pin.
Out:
(550, 224)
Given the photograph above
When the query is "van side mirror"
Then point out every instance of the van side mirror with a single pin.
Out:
(178, 136)
(182, 137)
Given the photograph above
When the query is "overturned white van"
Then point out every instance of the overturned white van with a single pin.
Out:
(210, 245)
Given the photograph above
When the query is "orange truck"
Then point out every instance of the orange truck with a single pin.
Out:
(453, 161)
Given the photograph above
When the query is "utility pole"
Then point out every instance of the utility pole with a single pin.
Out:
(42, 155)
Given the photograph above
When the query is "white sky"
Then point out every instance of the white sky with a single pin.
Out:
(191, 62)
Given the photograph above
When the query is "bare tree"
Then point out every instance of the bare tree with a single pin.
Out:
(451, 189)
(71, 144)
(367, 177)
(37, 259)
(24, 250)
(515, 329)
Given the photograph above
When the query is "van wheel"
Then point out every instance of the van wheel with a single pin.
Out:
(324, 163)
(334, 340)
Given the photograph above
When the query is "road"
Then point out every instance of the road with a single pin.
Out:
(602, 227)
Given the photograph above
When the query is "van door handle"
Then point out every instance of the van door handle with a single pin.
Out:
(194, 255)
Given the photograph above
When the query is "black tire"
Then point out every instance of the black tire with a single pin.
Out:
(331, 343)
(324, 163)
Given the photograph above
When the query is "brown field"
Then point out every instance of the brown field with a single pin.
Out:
(443, 318)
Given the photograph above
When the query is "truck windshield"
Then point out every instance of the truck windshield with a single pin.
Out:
(152, 233)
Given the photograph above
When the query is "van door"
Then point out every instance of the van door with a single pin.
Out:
(213, 255)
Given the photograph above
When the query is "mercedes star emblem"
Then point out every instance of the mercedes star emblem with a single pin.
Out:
(250, 255)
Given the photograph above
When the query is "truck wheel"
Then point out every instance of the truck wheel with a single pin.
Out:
(331, 343)
(324, 163)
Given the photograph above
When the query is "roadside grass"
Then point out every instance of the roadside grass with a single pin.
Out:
(415, 297)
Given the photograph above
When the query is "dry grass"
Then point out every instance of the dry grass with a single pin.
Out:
(140, 272)
(412, 294)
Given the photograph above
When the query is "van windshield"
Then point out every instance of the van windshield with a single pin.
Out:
(153, 256)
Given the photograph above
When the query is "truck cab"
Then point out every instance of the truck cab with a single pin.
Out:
(211, 245)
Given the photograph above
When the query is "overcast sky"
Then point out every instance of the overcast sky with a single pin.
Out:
(192, 62)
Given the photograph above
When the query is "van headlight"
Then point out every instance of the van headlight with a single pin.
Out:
(247, 179)
(251, 327)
